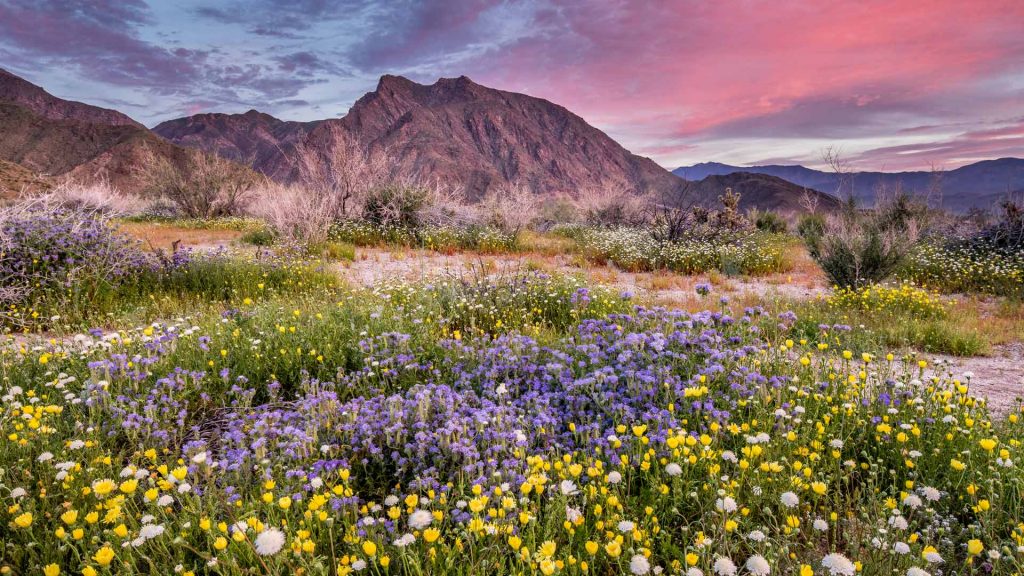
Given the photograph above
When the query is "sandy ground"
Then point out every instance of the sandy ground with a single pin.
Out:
(999, 377)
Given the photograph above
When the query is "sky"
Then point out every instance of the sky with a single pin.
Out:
(893, 85)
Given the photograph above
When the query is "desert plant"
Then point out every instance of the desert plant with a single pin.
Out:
(201, 185)
(509, 208)
(300, 216)
(769, 222)
(857, 247)
(57, 254)
(98, 196)
(332, 166)
(395, 204)
(611, 207)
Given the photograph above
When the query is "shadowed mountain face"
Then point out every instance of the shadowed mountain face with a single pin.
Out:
(252, 138)
(975, 185)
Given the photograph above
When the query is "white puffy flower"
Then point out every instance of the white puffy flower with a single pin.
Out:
(789, 499)
(694, 571)
(45, 457)
(568, 488)
(638, 564)
(391, 500)
(901, 548)
(359, 565)
(404, 540)
(572, 514)
(673, 469)
(758, 566)
(820, 524)
(756, 536)
(625, 526)
(150, 531)
(838, 565)
(913, 501)
(614, 477)
(724, 566)
(915, 571)
(199, 458)
(931, 494)
(898, 522)
(18, 492)
(726, 504)
(729, 456)
(836, 443)
(420, 519)
(269, 542)
(933, 558)
(165, 500)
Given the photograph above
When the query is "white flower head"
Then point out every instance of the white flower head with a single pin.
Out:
(758, 566)
(724, 566)
(789, 499)
(838, 565)
(639, 565)
(269, 542)
(420, 519)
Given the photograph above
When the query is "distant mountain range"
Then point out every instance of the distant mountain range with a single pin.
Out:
(975, 185)
(454, 132)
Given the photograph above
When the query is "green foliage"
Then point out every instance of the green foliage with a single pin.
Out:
(770, 222)
(858, 247)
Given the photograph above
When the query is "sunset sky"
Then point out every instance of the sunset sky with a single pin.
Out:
(896, 85)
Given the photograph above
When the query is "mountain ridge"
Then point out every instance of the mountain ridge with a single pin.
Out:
(978, 184)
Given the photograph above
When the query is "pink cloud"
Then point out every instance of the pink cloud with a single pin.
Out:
(690, 72)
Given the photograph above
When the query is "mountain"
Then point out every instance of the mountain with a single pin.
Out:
(456, 131)
(254, 138)
(764, 192)
(452, 131)
(974, 185)
(20, 92)
(46, 136)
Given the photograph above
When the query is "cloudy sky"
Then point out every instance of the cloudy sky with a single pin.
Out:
(895, 84)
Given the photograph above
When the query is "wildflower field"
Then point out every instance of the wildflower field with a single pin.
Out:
(517, 425)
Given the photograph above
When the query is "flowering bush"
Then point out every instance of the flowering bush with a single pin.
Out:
(644, 441)
(432, 237)
(59, 255)
(637, 249)
(978, 266)
(905, 299)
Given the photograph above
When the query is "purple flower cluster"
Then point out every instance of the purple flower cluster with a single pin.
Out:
(475, 412)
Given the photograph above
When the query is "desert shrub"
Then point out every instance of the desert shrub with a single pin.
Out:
(202, 185)
(60, 255)
(299, 216)
(811, 226)
(770, 222)
(614, 208)
(259, 237)
(97, 197)
(395, 205)
(509, 208)
(858, 247)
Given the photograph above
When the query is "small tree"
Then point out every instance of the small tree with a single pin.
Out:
(201, 185)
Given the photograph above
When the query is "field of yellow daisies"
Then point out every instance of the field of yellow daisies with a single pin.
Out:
(281, 423)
